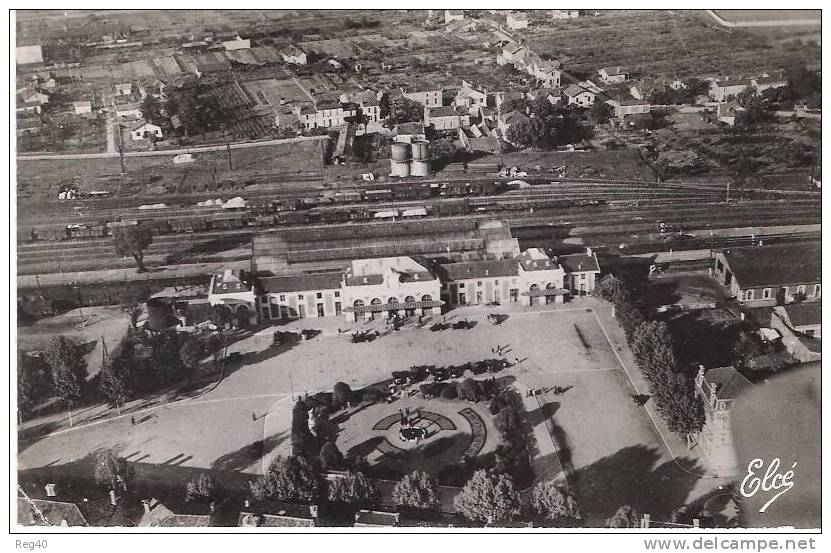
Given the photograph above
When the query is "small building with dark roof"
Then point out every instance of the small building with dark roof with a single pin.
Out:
(271, 514)
(42, 512)
(376, 519)
(770, 275)
(718, 388)
(157, 514)
(582, 272)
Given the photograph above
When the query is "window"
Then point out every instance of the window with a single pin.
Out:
(582, 276)
(496, 283)
(479, 283)
(337, 293)
(337, 308)
(319, 295)
(282, 297)
(800, 289)
(748, 295)
(461, 285)
(300, 296)
(817, 290)
(719, 266)
(766, 293)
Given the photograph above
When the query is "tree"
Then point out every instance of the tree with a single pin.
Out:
(287, 479)
(353, 488)
(629, 317)
(330, 456)
(467, 389)
(443, 148)
(678, 403)
(625, 517)
(488, 497)
(151, 110)
(653, 346)
(112, 471)
(115, 378)
(602, 112)
(748, 346)
(203, 489)
(341, 395)
(404, 110)
(65, 358)
(133, 240)
(416, 490)
(191, 353)
(551, 502)
(612, 289)
(131, 299)
(221, 315)
(527, 132)
(514, 104)
(34, 382)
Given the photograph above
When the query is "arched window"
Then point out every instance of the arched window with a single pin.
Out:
(358, 303)
(550, 286)
(375, 301)
(409, 299)
(392, 300)
(426, 297)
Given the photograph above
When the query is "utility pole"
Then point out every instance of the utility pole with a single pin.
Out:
(230, 165)
(121, 159)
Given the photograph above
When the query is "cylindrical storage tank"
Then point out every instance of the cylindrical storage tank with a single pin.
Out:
(421, 150)
(400, 151)
(420, 168)
(399, 168)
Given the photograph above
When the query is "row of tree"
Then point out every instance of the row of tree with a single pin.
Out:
(548, 126)
(656, 352)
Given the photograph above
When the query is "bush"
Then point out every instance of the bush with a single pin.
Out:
(448, 392)
(341, 395)
(373, 395)
(468, 389)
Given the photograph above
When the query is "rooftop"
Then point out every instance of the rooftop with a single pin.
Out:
(778, 265)
(375, 518)
(578, 262)
(728, 381)
(480, 269)
(534, 259)
(57, 513)
(300, 282)
(804, 313)
(231, 281)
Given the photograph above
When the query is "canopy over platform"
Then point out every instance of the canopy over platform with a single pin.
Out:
(393, 306)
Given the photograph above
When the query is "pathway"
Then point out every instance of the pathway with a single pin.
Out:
(766, 23)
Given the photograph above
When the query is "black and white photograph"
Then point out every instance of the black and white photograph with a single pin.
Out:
(308, 269)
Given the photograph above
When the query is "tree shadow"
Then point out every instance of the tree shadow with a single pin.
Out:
(364, 448)
(704, 341)
(629, 477)
(32, 435)
(248, 455)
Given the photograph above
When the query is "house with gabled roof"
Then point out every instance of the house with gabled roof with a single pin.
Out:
(721, 90)
(718, 388)
(293, 54)
(613, 74)
(576, 94)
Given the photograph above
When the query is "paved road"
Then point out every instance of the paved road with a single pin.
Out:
(766, 23)
(193, 150)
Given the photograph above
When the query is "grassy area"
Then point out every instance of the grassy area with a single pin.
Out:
(656, 42)
(607, 164)
(210, 171)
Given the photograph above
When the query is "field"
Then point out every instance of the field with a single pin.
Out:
(608, 446)
(272, 91)
(37, 178)
(660, 42)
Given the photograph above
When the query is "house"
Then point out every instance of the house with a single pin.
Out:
(721, 90)
(479, 138)
(141, 129)
(299, 296)
(48, 84)
(234, 288)
(517, 21)
(376, 519)
(158, 515)
(626, 105)
(580, 96)
(502, 97)
(128, 110)
(470, 99)
(507, 120)
(726, 111)
(551, 94)
(804, 317)
(513, 54)
(326, 114)
(424, 94)
(613, 74)
(368, 102)
(582, 272)
(45, 512)
(271, 514)
(770, 275)
(547, 71)
(237, 43)
(764, 83)
(718, 388)
(564, 14)
(453, 15)
(27, 55)
(293, 54)
(83, 107)
(123, 89)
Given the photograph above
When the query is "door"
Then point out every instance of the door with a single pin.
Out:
(478, 297)
(780, 296)
(337, 308)
(301, 310)
(514, 294)
(320, 312)
(461, 298)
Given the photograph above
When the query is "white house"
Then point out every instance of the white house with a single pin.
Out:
(579, 96)
(82, 108)
(425, 95)
(128, 110)
(628, 106)
(726, 112)
(547, 71)
(514, 54)
(237, 43)
(326, 114)
(293, 54)
(446, 118)
(764, 83)
(144, 130)
(453, 15)
(123, 89)
(613, 74)
(721, 90)
(470, 99)
(517, 21)
(565, 14)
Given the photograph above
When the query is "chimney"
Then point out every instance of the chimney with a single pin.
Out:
(695, 523)
(645, 521)
(50, 490)
(146, 505)
(112, 498)
(589, 251)
(247, 503)
(212, 506)
(313, 511)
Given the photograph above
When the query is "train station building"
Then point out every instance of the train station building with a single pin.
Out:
(439, 265)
